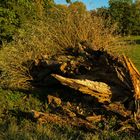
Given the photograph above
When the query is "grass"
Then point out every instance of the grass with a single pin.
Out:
(15, 125)
(129, 45)
(134, 52)
(15, 105)
(135, 56)
(16, 58)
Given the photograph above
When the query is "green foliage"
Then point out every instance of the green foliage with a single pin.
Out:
(13, 14)
(101, 12)
(8, 21)
(123, 1)
(16, 59)
(135, 50)
(68, 1)
(120, 12)
(135, 19)
(126, 14)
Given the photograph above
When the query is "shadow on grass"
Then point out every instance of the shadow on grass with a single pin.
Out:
(134, 41)
(137, 41)
(21, 115)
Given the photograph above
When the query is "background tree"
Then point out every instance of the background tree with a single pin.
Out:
(136, 18)
(124, 13)
(8, 20)
(77, 7)
(68, 1)
(15, 14)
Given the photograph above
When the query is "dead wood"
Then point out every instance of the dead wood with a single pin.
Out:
(119, 109)
(135, 79)
(113, 81)
(62, 120)
(99, 90)
(94, 118)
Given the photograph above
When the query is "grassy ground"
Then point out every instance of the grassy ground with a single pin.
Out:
(16, 125)
(134, 52)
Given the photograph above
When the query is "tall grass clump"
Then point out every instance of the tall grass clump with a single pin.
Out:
(17, 58)
(73, 28)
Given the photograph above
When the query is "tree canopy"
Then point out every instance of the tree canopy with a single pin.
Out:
(15, 13)
(126, 13)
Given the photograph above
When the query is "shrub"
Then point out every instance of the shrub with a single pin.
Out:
(74, 28)
(16, 59)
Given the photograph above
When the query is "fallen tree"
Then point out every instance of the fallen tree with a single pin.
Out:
(105, 92)
(113, 82)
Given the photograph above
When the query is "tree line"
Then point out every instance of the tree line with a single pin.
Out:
(126, 13)
(14, 14)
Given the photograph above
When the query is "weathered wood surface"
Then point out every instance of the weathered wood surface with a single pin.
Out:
(135, 79)
(114, 81)
(65, 120)
(99, 90)
(104, 92)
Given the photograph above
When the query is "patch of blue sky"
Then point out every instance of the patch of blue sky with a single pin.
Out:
(90, 4)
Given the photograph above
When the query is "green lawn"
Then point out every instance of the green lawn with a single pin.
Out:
(135, 56)
(134, 52)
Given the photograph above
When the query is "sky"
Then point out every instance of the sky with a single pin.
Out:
(91, 4)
